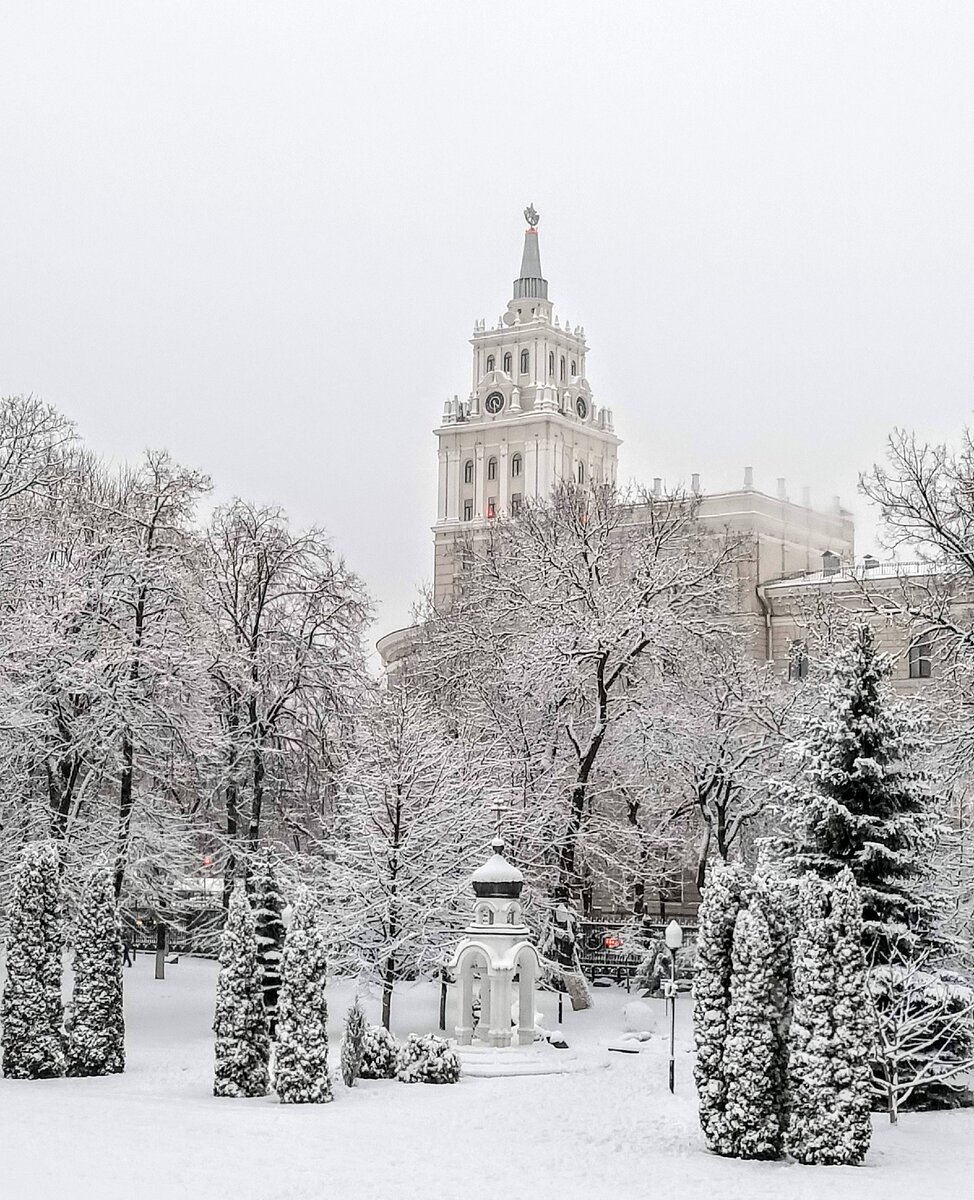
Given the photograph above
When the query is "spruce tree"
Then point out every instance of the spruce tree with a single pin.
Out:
(96, 1041)
(722, 899)
(828, 1058)
(32, 1012)
(268, 902)
(862, 806)
(242, 1041)
(755, 1103)
(301, 1059)
(352, 1044)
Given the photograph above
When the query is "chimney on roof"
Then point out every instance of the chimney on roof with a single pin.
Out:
(748, 478)
(782, 492)
(830, 563)
(657, 487)
(695, 484)
(836, 505)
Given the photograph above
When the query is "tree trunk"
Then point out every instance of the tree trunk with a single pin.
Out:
(124, 809)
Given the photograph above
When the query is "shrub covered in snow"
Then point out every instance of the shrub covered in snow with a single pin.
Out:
(352, 1043)
(722, 899)
(268, 902)
(425, 1058)
(301, 1059)
(32, 1014)
(240, 1024)
(380, 1053)
(828, 1040)
(96, 1040)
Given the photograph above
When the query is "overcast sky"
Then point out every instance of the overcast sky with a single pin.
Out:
(259, 235)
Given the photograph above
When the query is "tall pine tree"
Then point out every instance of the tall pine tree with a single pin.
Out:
(242, 1041)
(268, 902)
(862, 806)
(96, 1041)
(301, 1059)
(32, 1012)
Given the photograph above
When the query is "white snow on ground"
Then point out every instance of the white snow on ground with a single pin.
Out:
(157, 1131)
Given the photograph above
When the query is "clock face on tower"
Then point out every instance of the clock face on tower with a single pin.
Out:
(581, 407)
(494, 403)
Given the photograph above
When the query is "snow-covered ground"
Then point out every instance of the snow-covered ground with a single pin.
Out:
(613, 1131)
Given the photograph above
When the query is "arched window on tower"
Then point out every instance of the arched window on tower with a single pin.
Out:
(574, 368)
(490, 363)
(516, 465)
(524, 362)
(507, 363)
(491, 468)
(551, 364)
(562, 373)
(468, 471)
(581, 473)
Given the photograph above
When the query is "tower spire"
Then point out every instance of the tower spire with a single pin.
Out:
(530, 284)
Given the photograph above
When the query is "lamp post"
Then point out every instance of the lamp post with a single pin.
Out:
(674, 940)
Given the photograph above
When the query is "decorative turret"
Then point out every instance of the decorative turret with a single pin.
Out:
(497, 877)
(530, 285)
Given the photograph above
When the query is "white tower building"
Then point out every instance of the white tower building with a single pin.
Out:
(529, 421)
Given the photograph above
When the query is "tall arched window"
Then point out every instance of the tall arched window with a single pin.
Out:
(516, 465)
(468, 471)
(574, 368)
(490, 363)
(507, 363)
(581, 472)
(524, 362)
(562, 367)
(491, 468)
(551, 363)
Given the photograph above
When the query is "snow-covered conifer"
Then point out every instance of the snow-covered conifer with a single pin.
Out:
(862, 805)
(32, 1013)
(380, 1053)
(242, 1041)
(96, 1041)
(755, 1103)
(301, 1058)
(352, 1043)
(425, 1058)
(268, 902)
(829, 1117)
(722, 899)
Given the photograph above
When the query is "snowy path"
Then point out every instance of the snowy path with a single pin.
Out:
(156, 1132)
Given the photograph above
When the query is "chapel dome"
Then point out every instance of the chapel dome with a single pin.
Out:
(497, 877)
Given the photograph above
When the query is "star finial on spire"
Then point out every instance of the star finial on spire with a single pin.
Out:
(532, 216)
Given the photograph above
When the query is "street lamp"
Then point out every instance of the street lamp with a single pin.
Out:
(674, 940)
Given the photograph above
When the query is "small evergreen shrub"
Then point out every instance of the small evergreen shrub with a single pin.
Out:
(96, 1039)
(301, 1060)
(353, 1044)
(32, 1013)
(380, 1054)
(425, 1058)
(242, 1041)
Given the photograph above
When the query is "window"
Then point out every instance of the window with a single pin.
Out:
(574, 368)
(491, 506)
(920, 655)
(581, 472)
(798, 661)
(515, 465)
(507, 363)
(562, 364)
(490, 363)
(491, 468)
(551, 364)
(468, 471)
(468, 510)
(516, 502)
(524, 362)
